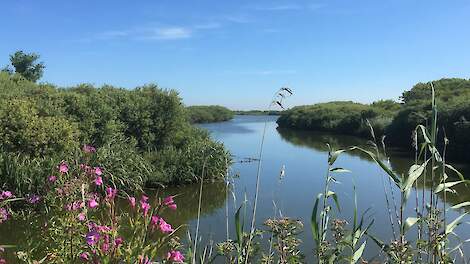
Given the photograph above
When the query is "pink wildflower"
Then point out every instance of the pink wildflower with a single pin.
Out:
(85, 256)
(92, 237)
(63, 167)
(154, 221)
(118, 241)
(98, 181)
(3, 215)
(89, 149)
(81, 217)
(165, 227)
(175, 256)
(5, 195)
(98, 171)
(132, 201)
(110, 193)
(92, 203)
(52, 178)
(168, 201)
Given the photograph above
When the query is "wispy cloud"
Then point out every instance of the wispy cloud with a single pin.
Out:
(170, 33)
(263, 72)
(285, 7)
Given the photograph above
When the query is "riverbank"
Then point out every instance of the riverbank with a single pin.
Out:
(394, 120)
(144, 131)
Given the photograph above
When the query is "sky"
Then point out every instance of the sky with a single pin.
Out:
(238, 53)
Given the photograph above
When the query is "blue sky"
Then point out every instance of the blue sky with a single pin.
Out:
(237, 53)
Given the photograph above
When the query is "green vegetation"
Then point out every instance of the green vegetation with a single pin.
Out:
(258, 112)
(208, 113)
(25, 65)
(340, 117)
(396, 121)
(143, 131)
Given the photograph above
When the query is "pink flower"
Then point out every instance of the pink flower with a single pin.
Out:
(168, 201)
(92, 237)
(98, 181)
(52, 178)
(110, 193)
(85, 256)
(144, 260)
(165, 227)
(132, 201)
(144, 198)
(154, 220)
(81, 217)
(92, 203)
(98, 171)
(175, 256)
(89, 149)
(63, 167)
(3, 215)
(33, 198)
(5, 195)
(118, 241)
(145, 207)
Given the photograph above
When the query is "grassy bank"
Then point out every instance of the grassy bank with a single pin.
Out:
(208, 113)
(143, 131)
(395, 120)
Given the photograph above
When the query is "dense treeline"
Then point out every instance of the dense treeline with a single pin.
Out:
(257, 112)
(344, 117)
(395, 120)
(208, 113)
(143, 131)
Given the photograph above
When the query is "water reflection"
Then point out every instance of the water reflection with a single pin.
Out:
(400, 160)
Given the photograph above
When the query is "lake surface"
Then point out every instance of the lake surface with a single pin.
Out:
(304, 157)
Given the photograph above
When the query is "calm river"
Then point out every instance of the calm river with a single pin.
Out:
(304, 157)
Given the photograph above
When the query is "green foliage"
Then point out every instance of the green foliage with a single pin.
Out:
(208, 114)
(340, 117)
(258, 112)
(144, 131)
(452, 95)
(25, 64)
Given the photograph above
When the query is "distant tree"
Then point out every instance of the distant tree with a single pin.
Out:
(25, 64)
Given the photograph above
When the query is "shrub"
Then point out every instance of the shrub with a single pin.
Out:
(208, 114)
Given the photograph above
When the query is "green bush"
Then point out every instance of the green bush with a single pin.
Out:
(208, 114)
(143, 131)
(343, 117)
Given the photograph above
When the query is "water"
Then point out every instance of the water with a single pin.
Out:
(304, 157)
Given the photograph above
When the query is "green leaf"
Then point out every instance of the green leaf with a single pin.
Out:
(384, 167)
(460, 205)
(357, 255)
(339, 170)
(450, 227)
(409, 222)
(446, 185)
(413, 174)
(239, 226)
(335, 198)
(314, 222)
(334, 155)
(462, 178)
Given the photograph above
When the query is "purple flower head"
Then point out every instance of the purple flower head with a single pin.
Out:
(63, 167)
(52, 178)
(175, 256)
(165, 227)
(5, 195)
(110, 193)
(145, 207)
(132, 201)
(81, 217)
(89, 149)
(4, 215)
(92, 203)
(85, 256)
(98, 171)
(92, 237)
(33, 198)
(118, 241)
(98, 181)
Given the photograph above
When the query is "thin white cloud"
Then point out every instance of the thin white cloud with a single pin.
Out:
(170, 33)
(285, 7)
